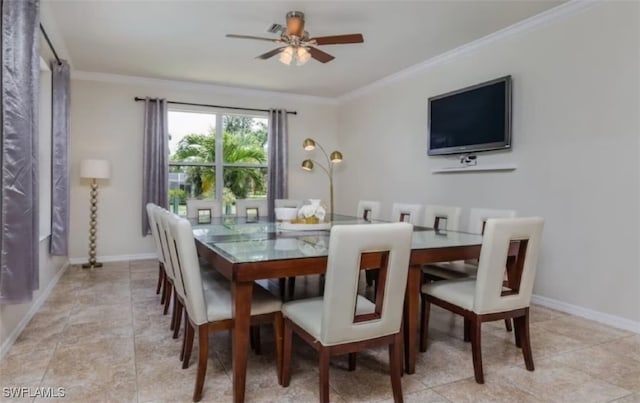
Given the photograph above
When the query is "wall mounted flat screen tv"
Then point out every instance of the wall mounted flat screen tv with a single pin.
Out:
(476, 118)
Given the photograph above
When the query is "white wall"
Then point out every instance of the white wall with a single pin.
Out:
(106, 123)
(575, 142)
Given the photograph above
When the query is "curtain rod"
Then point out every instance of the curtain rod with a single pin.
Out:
(46, 37)
(138, 99)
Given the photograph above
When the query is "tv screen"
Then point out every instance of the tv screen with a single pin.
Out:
(476, 118)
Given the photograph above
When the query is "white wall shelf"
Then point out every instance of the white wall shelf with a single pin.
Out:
(474, 168)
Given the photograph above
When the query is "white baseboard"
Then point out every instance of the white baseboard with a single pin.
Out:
(115, 258)
(607, 319)
(35, 306)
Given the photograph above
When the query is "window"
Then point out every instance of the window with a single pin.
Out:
(216, 156)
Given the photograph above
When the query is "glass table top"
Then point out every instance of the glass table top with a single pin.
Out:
(242, 241)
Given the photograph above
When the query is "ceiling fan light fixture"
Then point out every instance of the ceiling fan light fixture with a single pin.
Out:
(303, 56)
(287, 55)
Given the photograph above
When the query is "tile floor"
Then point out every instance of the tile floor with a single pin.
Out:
(102, 336)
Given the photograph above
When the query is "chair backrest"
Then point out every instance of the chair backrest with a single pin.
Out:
(166, 218)
(490, 294)
(288, 203)
(411, 213)
(151, 209)
(195, 205)
(478, 217)
(368, 210)
(252, 208)
(161, 217)
(347, 243)
(434, 215)
(187, 256)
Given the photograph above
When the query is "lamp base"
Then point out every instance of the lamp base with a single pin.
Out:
(91, 265)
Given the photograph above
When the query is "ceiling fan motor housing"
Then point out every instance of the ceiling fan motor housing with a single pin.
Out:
(295, 24)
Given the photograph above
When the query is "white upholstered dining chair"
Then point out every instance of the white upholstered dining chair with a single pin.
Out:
(210, 309)
(212, 206)
(462, 269)
(169, 275)
(368, 210)
(411, 213)
(151, 207)
(252, 208)
(163, 218)
(343, 322)
(486, 297)
(437, 215)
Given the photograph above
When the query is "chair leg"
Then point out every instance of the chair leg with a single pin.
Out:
(287, 339)
(203, 353)
(467, 330)
(163, 292)
(476, 349)
(522, 326)
(395, 367)
(424, 323)
(507, 325)
(324, 374)
(291, 286)
(188, 335)
(369, 277)
(352, 361)
(282, 284)
(176, 327)
(174, 312)
(254, 334)
(167, 296)
(184, 337)
(277, 331)
(160, 278)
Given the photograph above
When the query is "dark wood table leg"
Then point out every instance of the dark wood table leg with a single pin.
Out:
(411, 308)
(241, 293)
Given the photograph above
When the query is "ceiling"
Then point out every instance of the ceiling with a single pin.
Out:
(185, 40)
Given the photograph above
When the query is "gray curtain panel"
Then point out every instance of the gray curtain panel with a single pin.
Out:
(278, 185)
(155, 158)
(60, 160)
(19, 141)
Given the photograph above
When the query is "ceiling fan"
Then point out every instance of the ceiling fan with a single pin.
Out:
(296, 45)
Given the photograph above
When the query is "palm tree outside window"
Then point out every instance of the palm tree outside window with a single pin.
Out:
(216, 156)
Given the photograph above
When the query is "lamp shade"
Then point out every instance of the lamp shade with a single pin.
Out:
(95, 169)
(308, 144)
(307, 165)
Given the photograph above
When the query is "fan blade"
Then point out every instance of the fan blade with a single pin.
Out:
(270, 53)
(319, 55)
(252, 37)
(338, 39)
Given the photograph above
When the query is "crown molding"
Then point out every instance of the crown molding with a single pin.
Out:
(531, 23)
(196, 86)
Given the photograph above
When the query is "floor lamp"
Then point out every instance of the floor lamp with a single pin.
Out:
(94, 170)
(334, 158)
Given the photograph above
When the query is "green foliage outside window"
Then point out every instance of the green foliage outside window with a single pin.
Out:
(244, 141)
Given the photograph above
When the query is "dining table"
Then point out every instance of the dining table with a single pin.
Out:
(248, 249)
